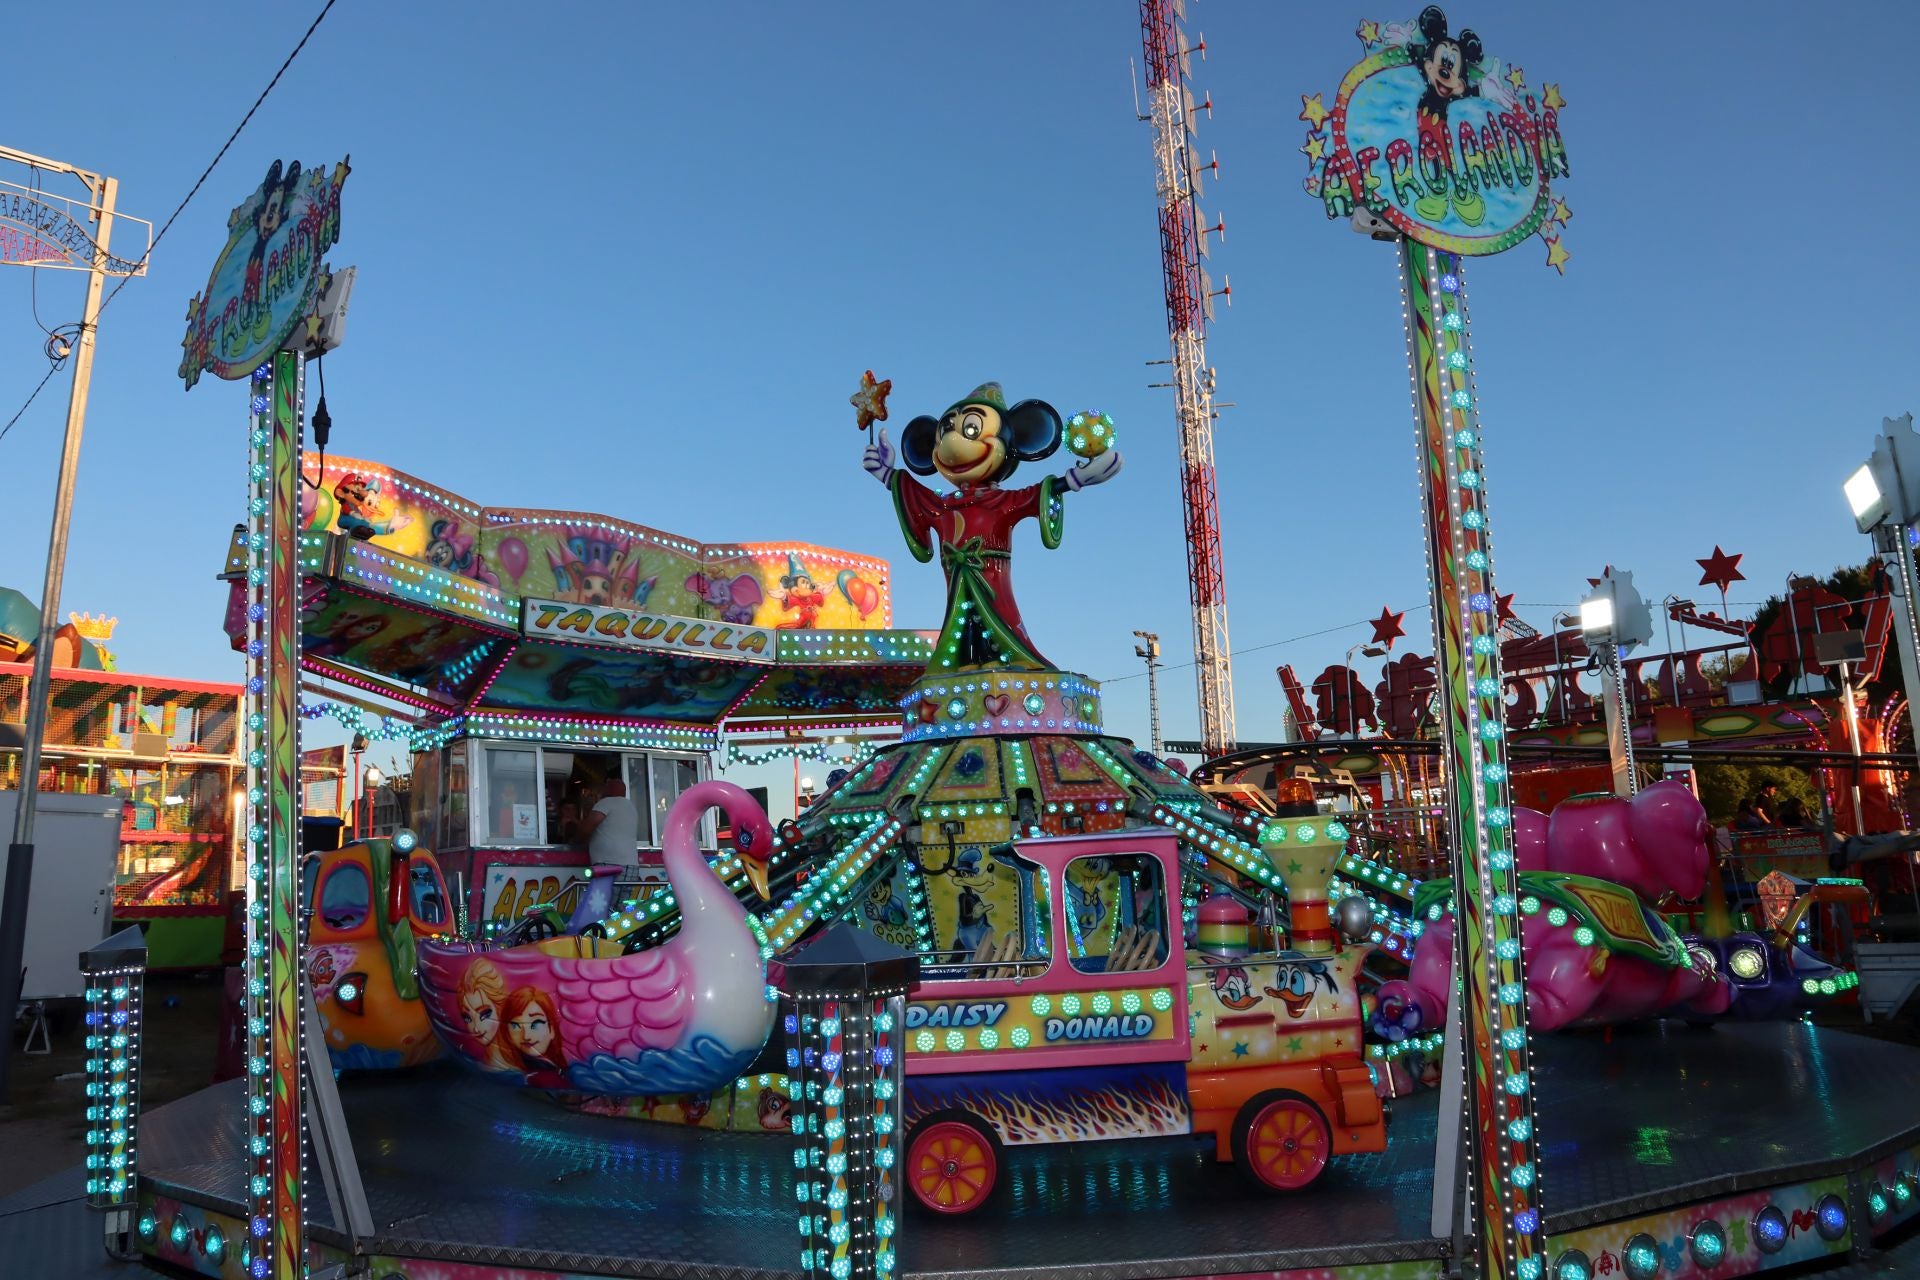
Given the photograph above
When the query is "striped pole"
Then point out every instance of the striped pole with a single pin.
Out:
(275, 1093)
(1503, 1200)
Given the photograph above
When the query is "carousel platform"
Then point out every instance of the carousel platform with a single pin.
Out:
(1651, 1129)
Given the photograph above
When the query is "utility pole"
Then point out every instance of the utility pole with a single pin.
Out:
(1150, 651)
(101, 193)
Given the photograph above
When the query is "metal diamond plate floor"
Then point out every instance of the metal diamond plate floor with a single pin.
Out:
(459, 1168)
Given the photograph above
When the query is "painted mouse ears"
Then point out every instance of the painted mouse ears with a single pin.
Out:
(1031, 430)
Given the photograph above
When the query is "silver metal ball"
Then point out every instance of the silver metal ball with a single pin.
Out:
(1353, 916)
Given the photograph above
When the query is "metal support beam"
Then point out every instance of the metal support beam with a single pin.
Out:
(19, 876)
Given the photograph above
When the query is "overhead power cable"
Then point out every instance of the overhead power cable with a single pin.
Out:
(57, 363)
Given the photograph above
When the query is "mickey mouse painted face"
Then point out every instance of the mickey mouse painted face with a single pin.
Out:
(1444, 59)
(980, 441)
(968, 449)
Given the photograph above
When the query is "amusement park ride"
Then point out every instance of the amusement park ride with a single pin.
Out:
(1001, 997)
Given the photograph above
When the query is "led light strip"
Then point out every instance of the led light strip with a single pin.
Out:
(832, 883)
(275, 1136)
(113, 1084)
(1499, 1118)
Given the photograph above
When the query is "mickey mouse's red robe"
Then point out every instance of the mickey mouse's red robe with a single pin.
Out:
(973, 529)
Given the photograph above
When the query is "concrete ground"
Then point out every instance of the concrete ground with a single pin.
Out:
(42, 1123)
(43, 1217)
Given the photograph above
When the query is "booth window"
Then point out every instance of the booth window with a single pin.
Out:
(640, 791)
(513, 796)
(671, 776)
(541, 795)
(1116, 912)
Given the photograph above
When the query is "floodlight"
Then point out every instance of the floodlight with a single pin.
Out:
(1863, 495)
(1596, 615)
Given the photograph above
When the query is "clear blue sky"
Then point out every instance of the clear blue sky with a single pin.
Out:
(633, 258)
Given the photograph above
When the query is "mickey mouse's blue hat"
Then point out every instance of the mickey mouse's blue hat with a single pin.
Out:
(987, 393)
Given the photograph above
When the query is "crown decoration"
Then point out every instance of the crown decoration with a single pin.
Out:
(93, 628)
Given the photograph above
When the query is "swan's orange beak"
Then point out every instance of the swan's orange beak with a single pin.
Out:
(757, 876)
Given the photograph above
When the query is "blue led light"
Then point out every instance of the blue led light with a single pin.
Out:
(1527, 1221)
(1708, 1244)
(1830, 1217)
(1770, 1229)
(1641, 1257)
(1572, 1265)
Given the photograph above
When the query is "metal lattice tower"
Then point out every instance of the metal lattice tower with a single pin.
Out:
(1190, 294)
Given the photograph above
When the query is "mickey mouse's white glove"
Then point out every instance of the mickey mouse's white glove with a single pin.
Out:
(1093, 471)
(878, 460)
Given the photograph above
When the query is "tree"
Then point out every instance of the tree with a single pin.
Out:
(1724, 786)
(1849, 582)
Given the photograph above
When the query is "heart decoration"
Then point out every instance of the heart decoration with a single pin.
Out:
(995, 703)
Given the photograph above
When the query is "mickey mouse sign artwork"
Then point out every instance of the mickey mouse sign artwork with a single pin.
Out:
(267, 277)
(1441, 140)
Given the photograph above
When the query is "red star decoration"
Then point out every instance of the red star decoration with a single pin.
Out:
(1721, 570)
(929, 710)
(1505, 604)
(870, 400)
(1387, 628)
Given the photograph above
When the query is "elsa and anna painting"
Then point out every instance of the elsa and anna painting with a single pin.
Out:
(516, 1031)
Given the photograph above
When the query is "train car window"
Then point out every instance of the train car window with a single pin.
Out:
(1116, 909)
(344, 895)
(990, 912)
(429, 900)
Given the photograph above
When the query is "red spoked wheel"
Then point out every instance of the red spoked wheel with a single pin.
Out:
(1282, 1142)
(952, 1166)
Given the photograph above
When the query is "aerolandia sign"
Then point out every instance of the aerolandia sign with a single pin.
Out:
(640, 629)
(1441, 139)
(266, 280)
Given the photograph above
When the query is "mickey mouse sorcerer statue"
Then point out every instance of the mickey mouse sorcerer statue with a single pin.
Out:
(975, 445)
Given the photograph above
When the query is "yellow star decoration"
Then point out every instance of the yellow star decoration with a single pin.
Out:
(1316, 148)
(1553, 98)
(1516, 77)
(1314, 111)
(1369, 32)
(1561, 213)
(1557, 256)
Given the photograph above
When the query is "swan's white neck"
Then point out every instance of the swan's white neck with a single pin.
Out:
(707, 908)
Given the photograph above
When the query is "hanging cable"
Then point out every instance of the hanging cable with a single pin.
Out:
(322, 423)
(178, 210)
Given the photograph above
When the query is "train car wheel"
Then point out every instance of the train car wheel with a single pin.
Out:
(952, 1165)
(1281, 1141)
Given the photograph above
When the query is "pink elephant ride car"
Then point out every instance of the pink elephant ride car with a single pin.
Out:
(1596, 952)
(1655, 844)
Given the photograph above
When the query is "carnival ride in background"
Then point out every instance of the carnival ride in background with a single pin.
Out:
(1109, 949)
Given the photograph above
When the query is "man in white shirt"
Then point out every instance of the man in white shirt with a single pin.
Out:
(612, 830)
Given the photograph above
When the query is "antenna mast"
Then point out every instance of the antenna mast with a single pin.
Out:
(1190, 294)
